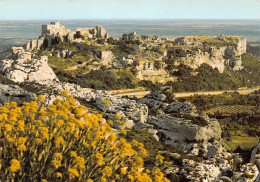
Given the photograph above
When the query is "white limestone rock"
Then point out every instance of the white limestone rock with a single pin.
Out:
(28, 71)
(107, 57)
(179, 132)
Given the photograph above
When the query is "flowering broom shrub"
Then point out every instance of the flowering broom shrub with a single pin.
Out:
(62, 142)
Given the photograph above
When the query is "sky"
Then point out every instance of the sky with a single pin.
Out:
(128, 9)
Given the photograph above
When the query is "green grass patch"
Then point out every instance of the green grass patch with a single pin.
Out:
(244, 143)
(214, 41)
(60, 63)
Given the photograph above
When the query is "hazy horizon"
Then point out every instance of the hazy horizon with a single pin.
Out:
(163, 28)
(128, 9)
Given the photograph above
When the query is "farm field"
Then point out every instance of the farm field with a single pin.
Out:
(229, 110)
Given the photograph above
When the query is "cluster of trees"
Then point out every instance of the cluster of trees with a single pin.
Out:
(243, 124)
(208, 78)
(101, 79)
(204, 102)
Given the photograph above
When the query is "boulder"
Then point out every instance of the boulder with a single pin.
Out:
(9, 93)
(255, 158)
(181, 132)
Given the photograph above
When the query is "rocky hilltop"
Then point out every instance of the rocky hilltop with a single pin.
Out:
(176, 124)
(148, 55)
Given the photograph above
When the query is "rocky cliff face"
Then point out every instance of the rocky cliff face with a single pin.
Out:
(182, 132)
(9, 93)
(185, 135)
(21, 68)
(214, 51)
(255, 158)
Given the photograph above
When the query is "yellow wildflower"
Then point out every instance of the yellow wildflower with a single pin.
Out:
(123, 131)
(41, 98)
(106, 102)
(21, 140)
(103, 179)
(72, 101)
(8, 127)
(159, 158)
(42, 128)
(13, 104)
(38, 140)
(99, 158)
(15, 165)
(130, 177)
(64, 93)
(80, 162)
(73, 154)
(60, 122)
(59, 141)
(73, 173)
(45, 135)
(10, 140)
(109, 121)
(121, 122)
(118, 116)
(57, 156)
(85, 144)
(70, 127)
(123, 171)
(89, 180)
(107, 171)
(21, 147)
(56, 163)
(58, 175)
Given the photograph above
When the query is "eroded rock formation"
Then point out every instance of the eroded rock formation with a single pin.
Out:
(22, 68)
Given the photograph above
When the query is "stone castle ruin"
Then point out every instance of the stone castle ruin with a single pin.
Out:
(56, 32)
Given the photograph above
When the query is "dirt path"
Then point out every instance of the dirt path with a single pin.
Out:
(188, 94)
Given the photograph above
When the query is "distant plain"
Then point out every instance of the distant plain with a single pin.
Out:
(19, 32)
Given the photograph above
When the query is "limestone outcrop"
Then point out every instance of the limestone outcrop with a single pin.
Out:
(186, 134)
(9, 93)
(107, 57)
(255, 158)
(23, 69)
(96, 32)
(130, 111)
(179, 124)
(214, 51)
(164, 100)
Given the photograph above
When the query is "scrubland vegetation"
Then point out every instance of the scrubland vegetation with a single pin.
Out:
(237, 114)
(208, 78)
(216, 42)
